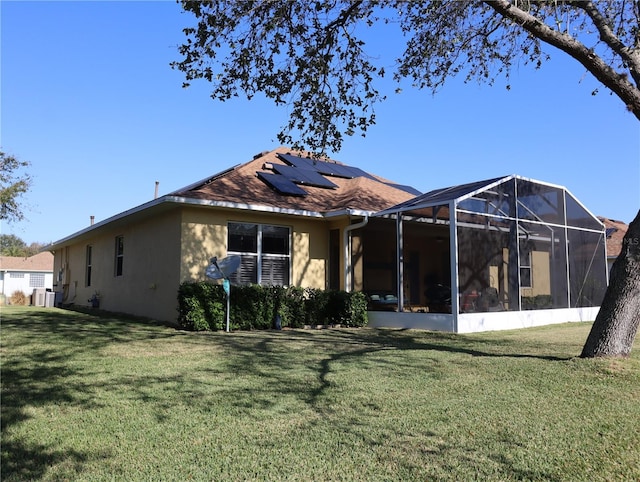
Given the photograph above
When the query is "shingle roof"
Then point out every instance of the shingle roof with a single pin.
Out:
(39, 262)
(242, 185)
(615, 232)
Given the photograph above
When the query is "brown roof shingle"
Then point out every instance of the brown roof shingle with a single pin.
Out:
(615, 232)
(39, 262)
(243, 186)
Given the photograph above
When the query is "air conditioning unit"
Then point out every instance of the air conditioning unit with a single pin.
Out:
(49, 299)
(38, 297)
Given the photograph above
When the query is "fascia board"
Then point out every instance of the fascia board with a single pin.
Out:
(246, 207)
(179, 200)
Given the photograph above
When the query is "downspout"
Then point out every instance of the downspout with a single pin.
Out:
(453, 257)
(347, 250)
(399, 262)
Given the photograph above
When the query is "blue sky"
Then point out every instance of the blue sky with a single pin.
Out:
(89, 99)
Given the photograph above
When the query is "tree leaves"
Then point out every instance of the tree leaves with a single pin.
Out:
(310, 56)
(13, 185)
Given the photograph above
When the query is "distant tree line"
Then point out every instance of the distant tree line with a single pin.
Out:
(12, 245)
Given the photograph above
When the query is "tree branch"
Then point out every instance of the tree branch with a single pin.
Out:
(629, 55)
(344, 15)
(617, 83)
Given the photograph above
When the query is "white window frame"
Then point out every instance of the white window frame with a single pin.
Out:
(526, 267)
(259, 255)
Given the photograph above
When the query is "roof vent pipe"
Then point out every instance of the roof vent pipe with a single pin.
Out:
(155, 195)
(92, 218)
(347, 251)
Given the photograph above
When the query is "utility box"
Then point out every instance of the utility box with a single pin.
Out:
(38, 297)
(50, 299)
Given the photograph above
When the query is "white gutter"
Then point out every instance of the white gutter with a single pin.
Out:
(347, 212)
(347, 250)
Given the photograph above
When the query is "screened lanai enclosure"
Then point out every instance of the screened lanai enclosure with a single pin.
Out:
(502, 253)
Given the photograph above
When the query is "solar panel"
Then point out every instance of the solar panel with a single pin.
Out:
(323, 167)
(281, 184)
(297, 161)
(304, 176)
(339, 170)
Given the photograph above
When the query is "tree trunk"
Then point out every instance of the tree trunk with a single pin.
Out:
(615, 328)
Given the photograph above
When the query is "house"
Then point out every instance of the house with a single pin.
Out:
(615, 231)
(26, 274)
(291, 219)
(500, 253)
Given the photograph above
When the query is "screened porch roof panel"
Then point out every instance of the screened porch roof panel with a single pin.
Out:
(444, 195)
(573, 211)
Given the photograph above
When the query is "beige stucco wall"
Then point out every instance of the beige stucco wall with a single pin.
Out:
(148, 285)
(164, 248)
(204, 235)
(540, 275)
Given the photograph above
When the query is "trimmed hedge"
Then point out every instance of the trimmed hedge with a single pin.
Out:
(202, 307)
(538, 302)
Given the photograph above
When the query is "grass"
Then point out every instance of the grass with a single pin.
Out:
(87, 397)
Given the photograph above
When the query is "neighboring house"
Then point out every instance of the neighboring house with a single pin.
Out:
(615, 231)
(501, 253)
(18, 273)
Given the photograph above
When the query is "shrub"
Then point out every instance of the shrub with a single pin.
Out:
(347, 309)
(291, 306)
(537, 302)
(317, 306)
(252, 307)
(202, 306)
(357, 310)
(19, 298)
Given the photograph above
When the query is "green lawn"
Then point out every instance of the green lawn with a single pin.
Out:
(88, 397)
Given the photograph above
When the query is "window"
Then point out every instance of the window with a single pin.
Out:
(88, 266)
(36, 280)
(16, 275)
(265, 253)
(525, 267)
(119, 255)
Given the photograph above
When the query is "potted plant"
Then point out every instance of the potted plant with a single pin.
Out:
(95, 300)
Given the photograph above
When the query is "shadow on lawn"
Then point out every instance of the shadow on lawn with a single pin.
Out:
(36, 372)
(253, 353)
